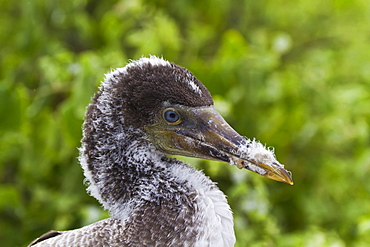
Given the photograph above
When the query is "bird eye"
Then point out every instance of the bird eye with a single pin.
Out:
(171, 117)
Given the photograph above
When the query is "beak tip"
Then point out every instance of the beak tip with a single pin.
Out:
(287, 177)
(290, 180)
(280, 175)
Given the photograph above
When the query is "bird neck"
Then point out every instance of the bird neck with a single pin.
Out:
(119, 167)
(115, 157)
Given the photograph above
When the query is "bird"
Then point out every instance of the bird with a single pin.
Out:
(142, 114)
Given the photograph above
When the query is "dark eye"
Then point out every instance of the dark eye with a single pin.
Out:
(171, 117)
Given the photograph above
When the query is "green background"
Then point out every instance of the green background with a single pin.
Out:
(293, 74)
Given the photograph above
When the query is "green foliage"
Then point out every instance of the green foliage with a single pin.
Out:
(293, 74)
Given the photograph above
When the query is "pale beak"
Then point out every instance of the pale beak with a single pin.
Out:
(205, 134)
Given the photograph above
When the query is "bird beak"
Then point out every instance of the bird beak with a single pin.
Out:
(204, 134)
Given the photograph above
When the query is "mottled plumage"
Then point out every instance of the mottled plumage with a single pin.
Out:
(155, 200)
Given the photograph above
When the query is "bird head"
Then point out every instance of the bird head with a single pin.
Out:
(176, 113)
